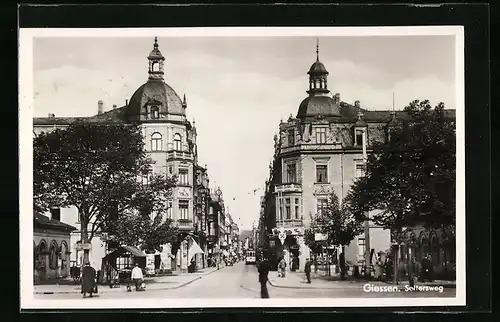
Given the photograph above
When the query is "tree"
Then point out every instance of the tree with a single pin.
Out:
(338, 225)
(96, 168)
(137, 229)
(411, 177)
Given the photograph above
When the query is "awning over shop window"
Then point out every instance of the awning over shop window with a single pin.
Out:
(122, 249)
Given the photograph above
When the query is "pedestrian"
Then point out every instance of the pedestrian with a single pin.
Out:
(282, 267)
(427, 269)
(88, 280)
(307, 270)
(412, 267)
(263, 278)
(137, 276)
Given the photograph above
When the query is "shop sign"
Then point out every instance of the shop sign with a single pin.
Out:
(82, 246)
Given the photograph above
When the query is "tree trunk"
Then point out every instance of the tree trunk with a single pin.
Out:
(396, 265)
(342, 264)
(84, 237)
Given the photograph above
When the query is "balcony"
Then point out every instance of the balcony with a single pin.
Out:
(288, 187)
(322, 189)
(179, 155)
(290, 223)
(312, 147)
(184, 224)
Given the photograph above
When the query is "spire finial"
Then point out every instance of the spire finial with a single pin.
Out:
(156, 42)
(317, 48)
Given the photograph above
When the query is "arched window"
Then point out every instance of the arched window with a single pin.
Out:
(177, 142)
(155, 67)
(156, 142)
(53, 255)
(64, 255)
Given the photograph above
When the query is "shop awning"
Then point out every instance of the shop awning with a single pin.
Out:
(135, 251)
(122, 249)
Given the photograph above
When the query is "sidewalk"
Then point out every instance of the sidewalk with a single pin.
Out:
(298, 281)
(152, 283)
(444, 283)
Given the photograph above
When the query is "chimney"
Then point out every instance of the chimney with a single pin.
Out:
(126, 101)
(51, 115)
(100, 107)
(114, 106)
(356, 104)
(337, 98)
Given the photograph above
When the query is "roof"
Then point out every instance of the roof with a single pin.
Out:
(349, 113)
(124, 248)
(41, 221)
(317, 68)
(112, 116)
(313, 106)
(157, 92)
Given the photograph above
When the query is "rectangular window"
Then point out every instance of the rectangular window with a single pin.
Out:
(169, 209)
(297, 208)
(183, 209)
(291, 171)
(55, 213)
(358, 137)
(320, 135)
(321, 204)
(212, 229)
(291, 137)
(183, 176)
(359, 170)
(288, 209)
(321, 173)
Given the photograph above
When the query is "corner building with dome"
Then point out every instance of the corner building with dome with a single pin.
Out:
(170, 141)
(317, 152)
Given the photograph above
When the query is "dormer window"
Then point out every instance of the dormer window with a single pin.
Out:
(358, 137)
(320, 135)
(155, 112)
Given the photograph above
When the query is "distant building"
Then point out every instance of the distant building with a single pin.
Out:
(318, 152)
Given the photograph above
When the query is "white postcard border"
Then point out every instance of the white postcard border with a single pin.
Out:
(26, 36)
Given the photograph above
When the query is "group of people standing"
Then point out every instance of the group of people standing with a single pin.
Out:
(89, 280)
(264, 268)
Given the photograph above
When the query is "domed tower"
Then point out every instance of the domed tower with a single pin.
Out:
(155, 101)
(319, 102)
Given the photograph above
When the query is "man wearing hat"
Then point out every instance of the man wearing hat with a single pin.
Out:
(88, 279)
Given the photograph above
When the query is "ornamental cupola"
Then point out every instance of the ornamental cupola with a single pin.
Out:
(156, 60)
(318, 76)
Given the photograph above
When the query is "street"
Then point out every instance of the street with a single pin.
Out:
(241, 281)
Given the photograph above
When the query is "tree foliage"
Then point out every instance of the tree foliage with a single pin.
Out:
(338, 225)
(140, 230)
(411, 177)
(96, 168)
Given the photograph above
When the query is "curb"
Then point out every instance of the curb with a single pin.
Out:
(307, 287)
(157, 289)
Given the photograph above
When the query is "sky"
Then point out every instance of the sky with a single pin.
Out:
(239, 88)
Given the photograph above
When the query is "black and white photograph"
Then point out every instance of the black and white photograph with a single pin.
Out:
(242, 167)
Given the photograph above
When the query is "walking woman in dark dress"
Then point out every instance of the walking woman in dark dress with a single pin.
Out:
(263, 278)
(88, 280)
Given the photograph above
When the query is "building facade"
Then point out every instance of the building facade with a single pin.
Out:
(319, 151)
(170, 141)
(51, 248)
